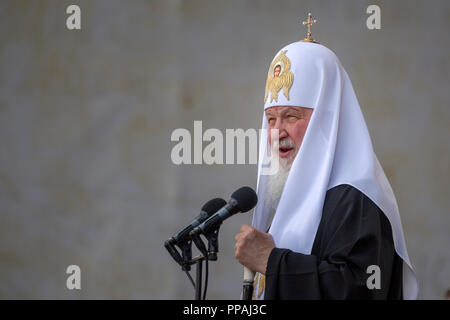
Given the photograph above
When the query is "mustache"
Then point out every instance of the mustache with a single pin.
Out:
(287, 142)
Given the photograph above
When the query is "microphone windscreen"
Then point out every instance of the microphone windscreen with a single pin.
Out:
(246, 198)
(213, 205)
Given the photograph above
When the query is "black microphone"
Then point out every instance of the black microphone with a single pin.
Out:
(242, 200)
(182, 239)
(208, 210)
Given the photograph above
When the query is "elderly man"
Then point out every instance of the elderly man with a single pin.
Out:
(327, 224)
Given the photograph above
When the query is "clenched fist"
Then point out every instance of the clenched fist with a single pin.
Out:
(253, 248)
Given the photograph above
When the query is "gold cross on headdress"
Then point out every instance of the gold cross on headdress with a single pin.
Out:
(309, 23)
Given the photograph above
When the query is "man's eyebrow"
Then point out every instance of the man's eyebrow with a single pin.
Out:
(296, 110)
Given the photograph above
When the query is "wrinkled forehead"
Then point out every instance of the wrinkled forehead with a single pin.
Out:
(278, 110)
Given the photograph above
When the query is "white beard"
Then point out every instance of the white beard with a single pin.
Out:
(275, 185)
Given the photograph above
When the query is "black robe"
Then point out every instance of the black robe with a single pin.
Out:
(353, 233)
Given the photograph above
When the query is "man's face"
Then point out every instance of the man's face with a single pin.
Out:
(291, 123)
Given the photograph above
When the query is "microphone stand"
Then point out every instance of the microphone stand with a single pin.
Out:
(186, 261)
(198, 279)
(210, 254)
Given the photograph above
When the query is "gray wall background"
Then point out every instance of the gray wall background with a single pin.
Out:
(86, 118)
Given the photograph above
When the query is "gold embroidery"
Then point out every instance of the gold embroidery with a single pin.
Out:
(279, 77)
(262, 284)
(255, 285)
(259, 285)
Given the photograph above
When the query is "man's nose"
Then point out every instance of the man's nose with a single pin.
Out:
(281, 130)
(282, 134)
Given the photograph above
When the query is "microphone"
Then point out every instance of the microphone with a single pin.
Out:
(208, 210)
(242, 200)
(182, 239)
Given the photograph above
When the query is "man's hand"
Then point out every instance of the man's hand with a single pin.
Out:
(253, 248)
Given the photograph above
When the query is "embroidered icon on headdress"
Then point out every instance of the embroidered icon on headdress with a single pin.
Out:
(279, 77)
